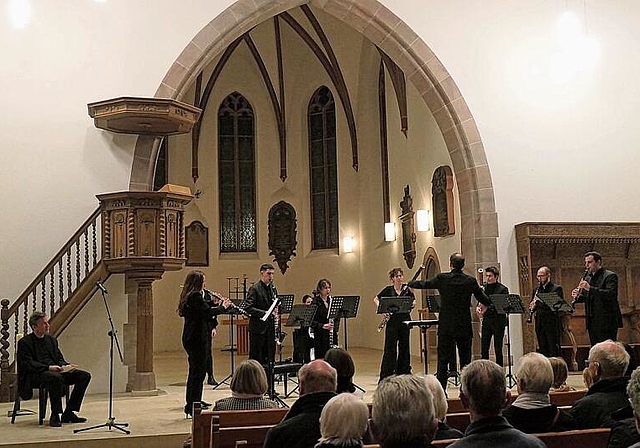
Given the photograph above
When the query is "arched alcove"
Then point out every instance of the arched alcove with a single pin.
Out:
(479, 226)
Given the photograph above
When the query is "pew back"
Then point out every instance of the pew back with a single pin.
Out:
(244, 436)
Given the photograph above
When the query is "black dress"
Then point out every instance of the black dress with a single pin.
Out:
(197, 323)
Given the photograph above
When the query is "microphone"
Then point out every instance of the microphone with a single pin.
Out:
(102, 288)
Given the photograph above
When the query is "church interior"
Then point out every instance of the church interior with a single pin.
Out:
(332, 138)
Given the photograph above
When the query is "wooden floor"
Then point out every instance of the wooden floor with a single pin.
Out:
(160, 419)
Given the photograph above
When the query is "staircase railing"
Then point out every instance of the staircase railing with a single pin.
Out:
(53, 287)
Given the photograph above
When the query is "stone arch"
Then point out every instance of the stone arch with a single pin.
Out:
(479, 221)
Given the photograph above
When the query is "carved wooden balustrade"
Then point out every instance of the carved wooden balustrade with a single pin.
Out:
(71, 270)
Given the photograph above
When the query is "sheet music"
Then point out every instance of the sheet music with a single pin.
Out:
(273, 306)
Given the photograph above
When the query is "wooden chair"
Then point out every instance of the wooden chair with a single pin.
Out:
(43, 395)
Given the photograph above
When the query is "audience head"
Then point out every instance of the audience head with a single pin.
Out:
(607, 359)
(402, 412)
(344, 420)
(341, 360)
(534, 374)
(456, 261)
(249, 379)
(483, 389)
(39, 323)
(633, 391)
(440, 405)
(317, 376)
(560, 371)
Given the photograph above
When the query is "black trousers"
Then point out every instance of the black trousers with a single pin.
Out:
(302, 345)
(262, 347)
(55, 381)
(493, 327)
(197, 357)
(548, 333)
(447, 355)
(599, 334)
(396, 358)
(209, 363)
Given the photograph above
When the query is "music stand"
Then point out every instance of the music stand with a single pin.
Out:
(286, 303)
(300, 316)
(508, 304)
(334, 314)
(348, 310)
(232, 311)
(424, 326)
(553, 301)
(433, 303)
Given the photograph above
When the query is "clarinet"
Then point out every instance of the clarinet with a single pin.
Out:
(531, 312)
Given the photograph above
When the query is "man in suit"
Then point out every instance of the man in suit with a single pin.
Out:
(599, 292)
(454, 328)
(40, 362)
(548, 325)
(493, 324)
(262, 333)
(300, 428)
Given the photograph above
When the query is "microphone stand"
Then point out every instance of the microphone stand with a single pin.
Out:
(111, 420)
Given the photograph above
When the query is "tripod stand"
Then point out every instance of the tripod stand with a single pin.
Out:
(111, 420)
(232, 311)
(508, 304)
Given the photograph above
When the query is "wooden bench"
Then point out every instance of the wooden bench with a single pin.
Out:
(244, 436)
(557, 398)
(584, 438)
(203, 421)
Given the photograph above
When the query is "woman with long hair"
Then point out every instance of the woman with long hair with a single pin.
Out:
(323, 328)
(197, 316)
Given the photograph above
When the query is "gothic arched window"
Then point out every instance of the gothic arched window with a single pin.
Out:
(323, 169)
(236, 174)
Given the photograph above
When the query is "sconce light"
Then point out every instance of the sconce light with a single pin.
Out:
(422, 220)
(348, 243)
(389, 231)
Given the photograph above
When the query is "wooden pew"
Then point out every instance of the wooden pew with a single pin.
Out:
(584, 438)
(202, 423)
(558, 398)
(244, 436)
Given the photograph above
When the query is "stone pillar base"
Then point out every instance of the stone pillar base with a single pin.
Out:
(143, 383)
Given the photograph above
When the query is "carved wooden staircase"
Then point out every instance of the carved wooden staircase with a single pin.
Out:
(139, 234)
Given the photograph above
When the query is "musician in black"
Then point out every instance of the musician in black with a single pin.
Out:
(396, 359)
(323, 328)
(262, 333)
(493, 324)
(454, 328)
(599, 292)
(548, 324)
(196, 332)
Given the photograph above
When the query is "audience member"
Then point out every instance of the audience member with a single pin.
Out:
(607, 363)
(300, 428)
(248, 386)
(40, 362)
(441, 406)
(484, 393)
(341, 360)
(343, 422)
(532, 411)
(402, 413)
(560, 374)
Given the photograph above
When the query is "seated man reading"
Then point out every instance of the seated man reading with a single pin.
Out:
(40, 362)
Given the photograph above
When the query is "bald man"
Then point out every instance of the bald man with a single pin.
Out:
(300, 428)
